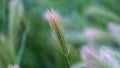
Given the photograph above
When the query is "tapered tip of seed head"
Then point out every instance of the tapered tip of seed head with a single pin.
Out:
(52, 16)
(14, 3)
(13, 66)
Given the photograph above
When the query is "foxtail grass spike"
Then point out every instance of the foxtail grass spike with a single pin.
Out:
(55, 20)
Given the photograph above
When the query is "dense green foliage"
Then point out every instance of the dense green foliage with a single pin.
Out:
(32, 31)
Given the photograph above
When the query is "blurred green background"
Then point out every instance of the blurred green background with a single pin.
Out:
(39, 51)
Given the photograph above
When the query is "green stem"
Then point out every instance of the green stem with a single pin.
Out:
(68, 61)
(20, 52)
(4, 15)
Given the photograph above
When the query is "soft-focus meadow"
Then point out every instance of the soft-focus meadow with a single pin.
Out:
(59, 33)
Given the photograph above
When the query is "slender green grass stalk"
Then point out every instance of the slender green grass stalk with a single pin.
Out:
(98, 11)
(55, 23)
(23, 40)
(4, 15)
(15, 15)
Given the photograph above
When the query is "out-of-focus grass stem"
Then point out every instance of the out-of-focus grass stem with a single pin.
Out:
(22, 46)
(3, 11)
(15, 15)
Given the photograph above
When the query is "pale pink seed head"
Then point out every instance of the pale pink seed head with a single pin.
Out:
(52, 16)
(85, 53)
(91, 33)
(107, 56)
(112, 27)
